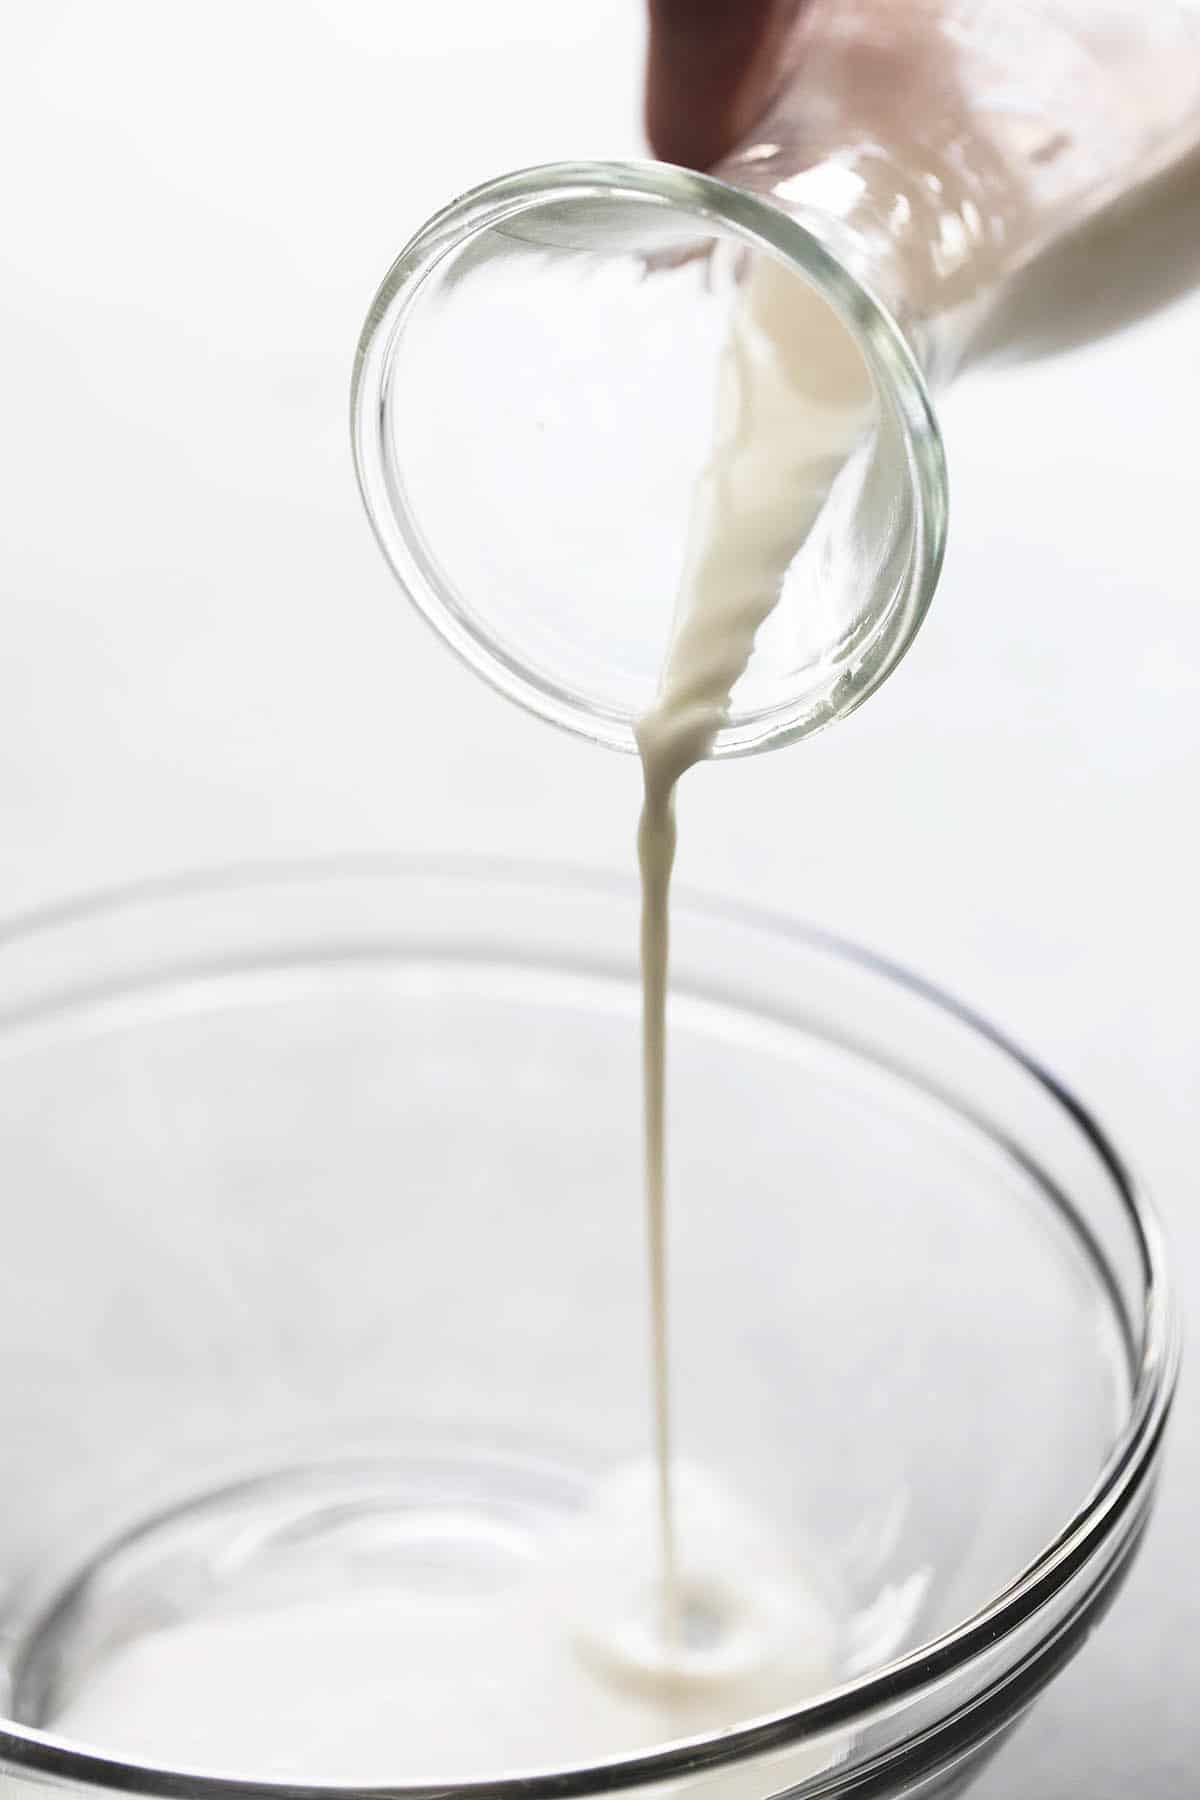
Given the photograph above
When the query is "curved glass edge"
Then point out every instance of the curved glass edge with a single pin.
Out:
(1104, 1531)
(885, 348)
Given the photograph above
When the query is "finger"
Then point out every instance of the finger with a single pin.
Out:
(710, 71)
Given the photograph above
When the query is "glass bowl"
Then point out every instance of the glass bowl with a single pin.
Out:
(324, 1277)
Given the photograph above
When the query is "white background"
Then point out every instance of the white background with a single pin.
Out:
(204, 659)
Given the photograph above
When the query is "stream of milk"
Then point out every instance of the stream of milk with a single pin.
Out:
(669, 1608)
(793, 399)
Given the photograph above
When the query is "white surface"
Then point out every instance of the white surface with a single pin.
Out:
(205, 659)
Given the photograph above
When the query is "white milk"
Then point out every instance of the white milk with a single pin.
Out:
(562, 1664)
(794, 398)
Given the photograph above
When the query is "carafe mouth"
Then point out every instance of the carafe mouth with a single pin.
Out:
(531, 409)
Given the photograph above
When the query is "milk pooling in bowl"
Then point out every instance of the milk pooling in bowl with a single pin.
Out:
(794, 399)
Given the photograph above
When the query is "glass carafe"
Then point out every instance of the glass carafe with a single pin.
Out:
(533, 392)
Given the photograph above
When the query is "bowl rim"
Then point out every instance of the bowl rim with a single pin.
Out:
(1115, 1499)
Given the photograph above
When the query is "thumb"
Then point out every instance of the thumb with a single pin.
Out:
(710, 72)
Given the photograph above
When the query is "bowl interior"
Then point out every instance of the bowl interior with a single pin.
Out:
(320, 1184)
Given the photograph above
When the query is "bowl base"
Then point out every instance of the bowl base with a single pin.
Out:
(323, 1558)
